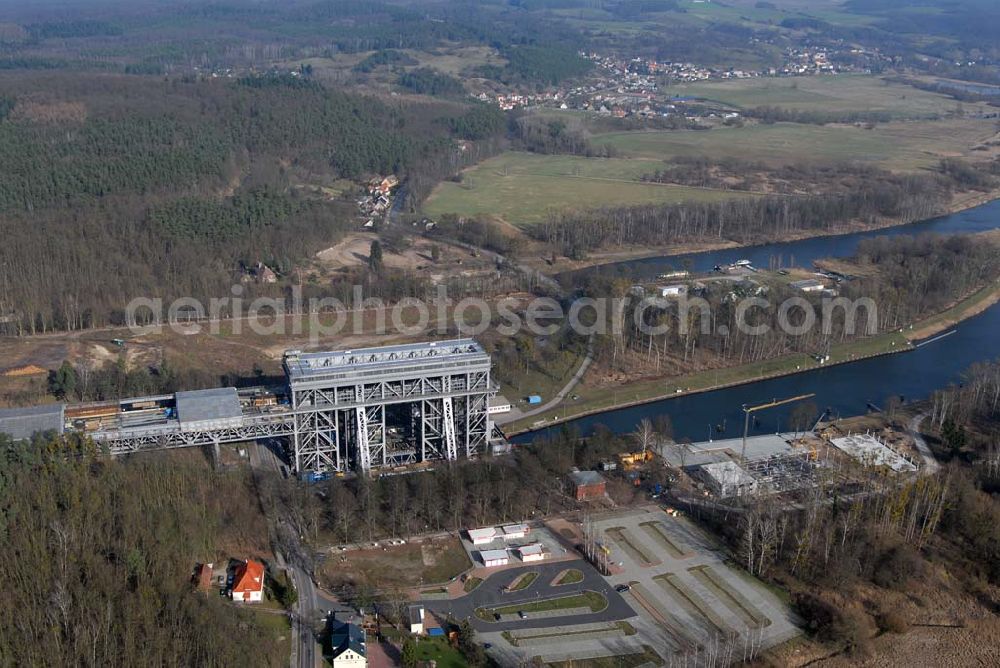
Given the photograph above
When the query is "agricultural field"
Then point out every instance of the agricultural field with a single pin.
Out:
(841, 93)
(897, 146)
(524, 188)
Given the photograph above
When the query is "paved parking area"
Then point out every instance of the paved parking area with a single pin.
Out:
(684, 598)
(682, 585)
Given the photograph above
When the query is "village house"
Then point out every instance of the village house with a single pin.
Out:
(347, 645)
(248, 582)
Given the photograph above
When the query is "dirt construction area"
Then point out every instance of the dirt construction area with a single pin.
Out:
(429, 563)
(686, 593)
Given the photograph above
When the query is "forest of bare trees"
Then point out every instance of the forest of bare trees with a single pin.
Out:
(98, 555)
(906, 278)
(902, 199)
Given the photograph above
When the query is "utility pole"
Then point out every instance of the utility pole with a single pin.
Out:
(747, 410)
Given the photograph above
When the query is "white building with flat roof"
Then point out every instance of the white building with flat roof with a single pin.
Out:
(498, 404)
(514, 531)
(494, 558)
(533, 552)
(483, 536)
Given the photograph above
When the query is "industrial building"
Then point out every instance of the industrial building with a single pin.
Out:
(514, 531)
(391, 405)
(871, 451)
(587, 485)
(727, 479)
(358, 409)
(808, 285)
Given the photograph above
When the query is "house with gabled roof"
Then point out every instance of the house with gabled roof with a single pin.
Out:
(347, 646)
(248, 582)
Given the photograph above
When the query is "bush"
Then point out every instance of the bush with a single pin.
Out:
(831, 624)
(897, 567)
(892, 621)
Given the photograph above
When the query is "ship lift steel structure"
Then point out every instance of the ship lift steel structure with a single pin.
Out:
(336, 416)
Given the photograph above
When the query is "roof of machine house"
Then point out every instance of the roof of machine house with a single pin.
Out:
(22, 423)
(218, 406)
(304, 367)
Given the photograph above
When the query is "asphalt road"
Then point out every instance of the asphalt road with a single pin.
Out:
(312, 606)
(490, 594)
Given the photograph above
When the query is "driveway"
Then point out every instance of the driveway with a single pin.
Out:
(515, 415)
(913, 429)
(490, 594)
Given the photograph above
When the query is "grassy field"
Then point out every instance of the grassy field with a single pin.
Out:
(439, 651)
(523, 188)
(901, 146)
(826, 93)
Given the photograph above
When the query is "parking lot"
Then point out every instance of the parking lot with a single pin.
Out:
(672, 594)
(682, 588)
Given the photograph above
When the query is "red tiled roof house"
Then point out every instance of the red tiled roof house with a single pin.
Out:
(248, 583)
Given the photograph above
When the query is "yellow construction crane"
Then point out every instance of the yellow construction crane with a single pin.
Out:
(747, 410)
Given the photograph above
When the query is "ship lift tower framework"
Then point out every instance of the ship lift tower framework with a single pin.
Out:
(339, 401)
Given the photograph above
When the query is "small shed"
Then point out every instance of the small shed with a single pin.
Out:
(203, 577)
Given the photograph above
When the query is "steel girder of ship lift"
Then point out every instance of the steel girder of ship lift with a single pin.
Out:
(336, 427)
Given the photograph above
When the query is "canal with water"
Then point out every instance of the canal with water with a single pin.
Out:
(845, 389)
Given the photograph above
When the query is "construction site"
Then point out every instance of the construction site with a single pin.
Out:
(361, 409)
